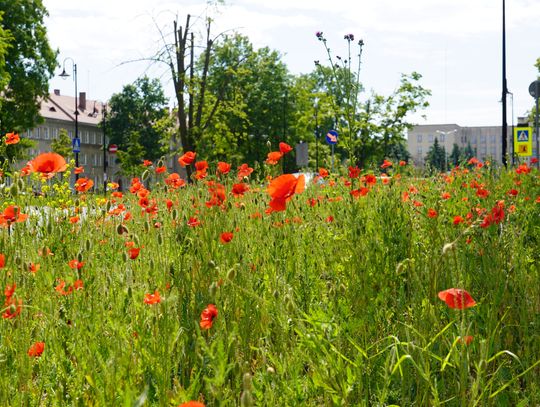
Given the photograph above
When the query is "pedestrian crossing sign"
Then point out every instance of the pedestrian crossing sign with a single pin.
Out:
(523, 141)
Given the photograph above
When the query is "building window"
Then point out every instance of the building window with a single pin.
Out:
(420, 152)
(54, 133)
(482, 138)
(419, 138)
(45, 133)
(430, 138)
(441, 138)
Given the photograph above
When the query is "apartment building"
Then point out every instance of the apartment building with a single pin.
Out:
(486, 141)
(58, 112)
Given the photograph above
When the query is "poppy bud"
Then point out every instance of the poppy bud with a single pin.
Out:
(77, 203)
(160, 239)
(151, 264)
(275, 294)
(14, 190)
(88, 245)
(79, 257)
(108, 206)
(212, 289)
(50, 228)
(231, 274)
(20, 183)
(174, 214)
(124, 257)
(136, 240)
(212, 264)
(270, 370)
(145, 175)
(121, 229)
(18, 261)
(342, 289)
(146, 226)
(12, 309)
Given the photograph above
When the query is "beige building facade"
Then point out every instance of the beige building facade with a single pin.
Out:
(485, 141)
(58, 112)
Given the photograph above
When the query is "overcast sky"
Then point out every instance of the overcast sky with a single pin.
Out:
(455, 45)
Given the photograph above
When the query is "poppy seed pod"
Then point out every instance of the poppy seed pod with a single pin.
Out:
(18, 261)
(121, 229)
(50, 227)
(88, 245)
(174, 214)
(145, 175)
(146, 226)
(79, 257)
(160, 239)
(231, 274)
(212, 289)
(20, 183)
(14, 190)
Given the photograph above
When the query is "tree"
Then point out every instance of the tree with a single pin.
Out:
(138, 122)
(28, 63)
(436, 156)
(455, 155)
(62, 145)
(467, 153)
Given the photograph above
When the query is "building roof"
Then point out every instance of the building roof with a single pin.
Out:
(60, 107)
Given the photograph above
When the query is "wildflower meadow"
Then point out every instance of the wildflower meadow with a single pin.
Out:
(362, 287)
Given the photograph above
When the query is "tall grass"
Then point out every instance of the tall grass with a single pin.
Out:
(330, 304)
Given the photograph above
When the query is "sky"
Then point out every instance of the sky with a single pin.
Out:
(455, 45)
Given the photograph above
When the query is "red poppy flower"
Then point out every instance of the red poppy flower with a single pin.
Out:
(445, 195)
(207, 316)
(78, 285)
(12, 214)
(223, 167)
(534, 160)
(76, 264)
(226, 237)
(273, 157)
(60, 288)
(284, 148)
(187, 158)
(282, 188)
(12, 138)
(175, 181)
(432, 213)
(134, 252)
(83, 184)
(78, 170)
(457, 298)
(36, 349)
(239, 189)
(161, 170)
(354, 172)
(386, 164)
(193, 222)
(147, 163)
(201, 167)
(192, 404)
(152, 298)
(2, 260)
(244, 171)
(33, 267)
(402, 163)
(48, 164)
(482, 193)
(370, 179)
(74, 219)
(458, 219)
(323, 172)
(467, 340)
(359, 192)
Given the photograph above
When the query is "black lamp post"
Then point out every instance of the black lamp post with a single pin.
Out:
(316, 135)
(504, 87)
(103, 117)
(76, 140)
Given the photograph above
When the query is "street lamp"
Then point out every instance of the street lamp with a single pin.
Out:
(445, 133)
(76, 141)
(103, 117)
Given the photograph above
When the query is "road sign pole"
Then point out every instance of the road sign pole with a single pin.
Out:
(332, 158)
(534, 91)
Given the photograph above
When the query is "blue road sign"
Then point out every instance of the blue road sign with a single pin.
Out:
(331, 137)
(76, 144)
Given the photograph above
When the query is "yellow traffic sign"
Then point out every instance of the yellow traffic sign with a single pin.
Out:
(523, 141)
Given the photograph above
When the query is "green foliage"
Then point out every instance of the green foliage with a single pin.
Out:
(27, 62)
(62, 145)
(139, 123)
(13, 153)
(331, 304)
(436, 157)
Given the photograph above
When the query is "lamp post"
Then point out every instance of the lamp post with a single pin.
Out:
(316, 135)
(76, 141)
(445, 133)
(103, 117)
(504, 87)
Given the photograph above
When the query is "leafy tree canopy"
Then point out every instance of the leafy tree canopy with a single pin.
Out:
(27, 62)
